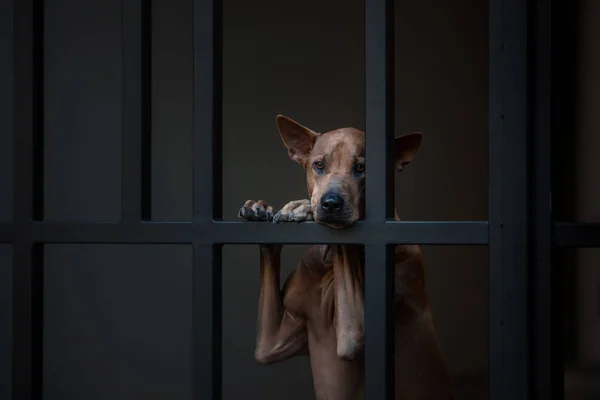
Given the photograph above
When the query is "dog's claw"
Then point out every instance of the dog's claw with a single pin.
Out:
(255, 211)
(297, 211)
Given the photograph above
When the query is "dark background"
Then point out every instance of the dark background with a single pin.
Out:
(117, 318)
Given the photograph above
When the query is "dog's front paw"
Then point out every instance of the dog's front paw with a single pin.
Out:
(256, 211)
(295, 211)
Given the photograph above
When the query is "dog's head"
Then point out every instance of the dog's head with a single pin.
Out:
(335, 168)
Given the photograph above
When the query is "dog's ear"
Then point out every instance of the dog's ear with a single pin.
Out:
(406, 148)
(298, 139)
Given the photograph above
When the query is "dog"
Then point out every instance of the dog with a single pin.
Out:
(320, 310)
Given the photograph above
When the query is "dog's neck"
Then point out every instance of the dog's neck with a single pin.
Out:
(327, 255)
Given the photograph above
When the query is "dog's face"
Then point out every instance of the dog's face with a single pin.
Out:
(335, 168)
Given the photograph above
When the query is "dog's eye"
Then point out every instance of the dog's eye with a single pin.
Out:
(319, 165)
(360, 167)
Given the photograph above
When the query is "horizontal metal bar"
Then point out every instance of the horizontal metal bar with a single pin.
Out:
(577, 234)
(108, 233)
(363, 232)
(233, 232)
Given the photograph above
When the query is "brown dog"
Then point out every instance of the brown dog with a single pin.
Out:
(320, 310)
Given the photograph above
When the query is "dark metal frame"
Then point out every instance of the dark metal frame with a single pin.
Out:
(520, 233)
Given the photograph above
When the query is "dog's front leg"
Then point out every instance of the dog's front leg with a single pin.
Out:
(281, 331)
(281, 328)
(349, 301)
(295, 211)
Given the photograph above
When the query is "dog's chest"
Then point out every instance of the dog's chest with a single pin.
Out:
(319, 282)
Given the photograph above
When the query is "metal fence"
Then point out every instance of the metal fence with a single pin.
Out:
(525, 358)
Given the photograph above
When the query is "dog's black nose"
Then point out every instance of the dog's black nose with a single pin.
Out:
(332, 202)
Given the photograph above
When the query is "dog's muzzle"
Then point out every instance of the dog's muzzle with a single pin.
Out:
(332, 210)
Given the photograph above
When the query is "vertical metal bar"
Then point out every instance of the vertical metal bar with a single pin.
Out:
(379, 322)
(379, 113)
(548, 382)
(565, 53)
(6, 89)
(37, 158)
(207, 310)
(379, 64)
(27, 322)
(28, 197)
(508, 250)
(207, 138)
(27, 114)
(207, 155)
(37, 320)
(146, 173)
(135, 98)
